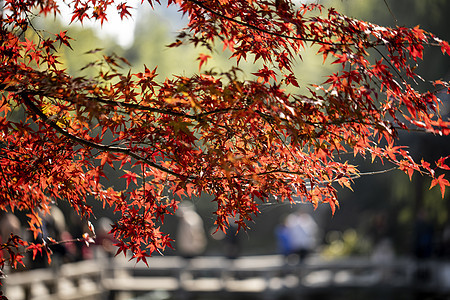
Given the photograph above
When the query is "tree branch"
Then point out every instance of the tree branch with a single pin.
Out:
(163, 111)
(37, 111)
(256, 28)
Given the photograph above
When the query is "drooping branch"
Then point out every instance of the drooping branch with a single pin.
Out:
(113, 149)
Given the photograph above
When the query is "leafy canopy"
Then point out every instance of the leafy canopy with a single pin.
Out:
(243, 142)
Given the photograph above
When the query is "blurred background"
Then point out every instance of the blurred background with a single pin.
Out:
(385, 220)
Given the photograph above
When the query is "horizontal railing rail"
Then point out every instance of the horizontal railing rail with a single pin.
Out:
(117, 278)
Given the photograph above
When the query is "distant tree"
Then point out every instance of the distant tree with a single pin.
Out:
(242, 142)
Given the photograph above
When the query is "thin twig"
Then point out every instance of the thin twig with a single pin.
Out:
(390, 11)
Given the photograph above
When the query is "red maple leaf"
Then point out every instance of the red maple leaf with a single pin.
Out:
(203, 58)
(442, 184)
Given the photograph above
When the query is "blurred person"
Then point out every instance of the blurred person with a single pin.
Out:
(423, 247)
(282, 234)
(424, 236)
(379, 230)
(383, 249)
(301, 233)
(232, 240)
(53, 228)
(191, 238)
(104, 240)
(9, 224)
(79, 226)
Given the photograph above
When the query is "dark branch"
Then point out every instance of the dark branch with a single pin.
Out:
(44, 118)
(164, 111)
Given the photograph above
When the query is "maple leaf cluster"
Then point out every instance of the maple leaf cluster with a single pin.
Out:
(243, 142)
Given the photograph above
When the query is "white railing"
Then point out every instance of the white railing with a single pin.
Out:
(265, 275)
